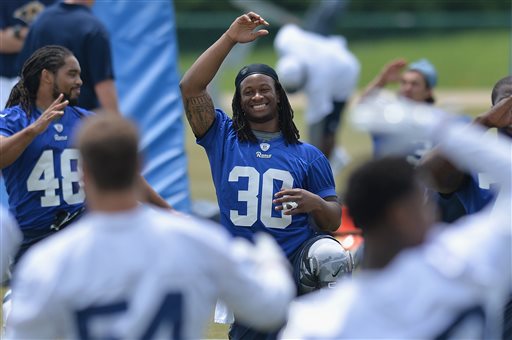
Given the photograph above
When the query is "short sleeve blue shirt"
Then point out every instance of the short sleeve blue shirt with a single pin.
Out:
(45, 178)
(246, 176)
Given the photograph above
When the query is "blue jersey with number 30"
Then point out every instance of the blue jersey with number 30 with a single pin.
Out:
(45, 178)
(247, 175)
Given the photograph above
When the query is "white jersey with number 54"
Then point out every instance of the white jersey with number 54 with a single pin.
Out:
(144, 274)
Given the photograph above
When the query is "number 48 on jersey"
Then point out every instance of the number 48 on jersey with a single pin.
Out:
(42, 178)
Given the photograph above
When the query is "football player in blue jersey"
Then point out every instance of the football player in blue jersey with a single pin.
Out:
(38, 161)
(266, 180)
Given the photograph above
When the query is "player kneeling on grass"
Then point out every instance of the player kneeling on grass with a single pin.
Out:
(258, 165)
(127, 271)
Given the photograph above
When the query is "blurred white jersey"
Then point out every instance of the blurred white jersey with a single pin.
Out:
(439, 289)
(144, 274)
(452, 286)
(332, 70)
(10, 239)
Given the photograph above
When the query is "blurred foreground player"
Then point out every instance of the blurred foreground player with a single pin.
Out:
(419, 282)
(462, 193)
(126, 271)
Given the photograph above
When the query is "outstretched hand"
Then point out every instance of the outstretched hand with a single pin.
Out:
(53, 112)
(242, 29)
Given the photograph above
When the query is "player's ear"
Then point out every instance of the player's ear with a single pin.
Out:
(47, 77)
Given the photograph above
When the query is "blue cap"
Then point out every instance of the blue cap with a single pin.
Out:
(428, 71)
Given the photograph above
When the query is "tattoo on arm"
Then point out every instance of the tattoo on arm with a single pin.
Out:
(200, 113)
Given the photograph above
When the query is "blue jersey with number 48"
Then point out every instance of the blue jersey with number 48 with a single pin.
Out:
(246, 176)
(45, 178)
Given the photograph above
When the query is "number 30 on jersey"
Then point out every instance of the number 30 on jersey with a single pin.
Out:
(42, 178)
(250, 196)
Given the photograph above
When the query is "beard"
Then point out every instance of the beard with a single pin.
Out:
(67, 96)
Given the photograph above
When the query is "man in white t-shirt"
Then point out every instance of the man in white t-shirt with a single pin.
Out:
(127, 271)
(419, 282)
(327, 72)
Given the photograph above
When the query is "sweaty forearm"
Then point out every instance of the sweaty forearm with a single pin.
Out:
(12, 147)
(206, 66)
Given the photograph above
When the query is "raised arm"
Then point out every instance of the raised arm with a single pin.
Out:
(447, 178)
(471, 150)
(197, 102)
(466, 145)
(389, 74)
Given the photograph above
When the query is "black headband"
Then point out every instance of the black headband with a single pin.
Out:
(255, 69)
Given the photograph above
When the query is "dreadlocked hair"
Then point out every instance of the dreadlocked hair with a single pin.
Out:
(285, 113)
(50, 58)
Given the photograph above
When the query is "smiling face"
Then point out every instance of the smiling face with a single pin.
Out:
(67, 81)
(259, 101)
(414, 86)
